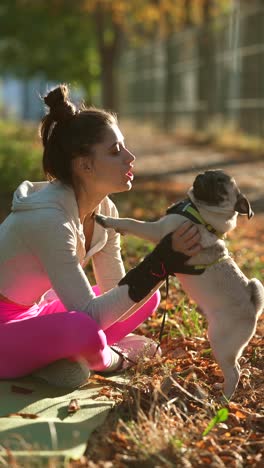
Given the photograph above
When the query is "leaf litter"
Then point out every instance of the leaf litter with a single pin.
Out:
(172, 412)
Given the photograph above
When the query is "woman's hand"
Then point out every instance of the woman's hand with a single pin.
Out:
(186, 239)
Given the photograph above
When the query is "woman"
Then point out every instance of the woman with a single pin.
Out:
(49, 313)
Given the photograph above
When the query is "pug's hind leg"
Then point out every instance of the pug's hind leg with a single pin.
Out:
(228, 344)
(226, 356)
(232, 375)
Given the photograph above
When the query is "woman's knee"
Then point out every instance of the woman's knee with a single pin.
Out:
(90, 341)
(85, 331)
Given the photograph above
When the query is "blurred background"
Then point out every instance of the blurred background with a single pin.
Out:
(184, 76)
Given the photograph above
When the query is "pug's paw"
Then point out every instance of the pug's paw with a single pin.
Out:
(102, 220)
(106, 221)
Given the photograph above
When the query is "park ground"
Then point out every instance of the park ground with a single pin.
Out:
(162, 416)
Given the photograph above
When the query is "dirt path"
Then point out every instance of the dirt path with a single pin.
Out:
(163, 163)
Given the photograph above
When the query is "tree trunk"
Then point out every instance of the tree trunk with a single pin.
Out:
(109, 44)
(169, 84)
(108, 79)
(251, 115)
(170, 80)
(206, 70)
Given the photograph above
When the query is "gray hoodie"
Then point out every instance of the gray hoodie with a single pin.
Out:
(42, 246)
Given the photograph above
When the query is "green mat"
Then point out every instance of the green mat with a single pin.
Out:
(35, 421)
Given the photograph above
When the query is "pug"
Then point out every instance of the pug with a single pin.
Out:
(230, 301)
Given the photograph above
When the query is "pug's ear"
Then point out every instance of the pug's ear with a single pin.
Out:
(199, 187)
(243, 206)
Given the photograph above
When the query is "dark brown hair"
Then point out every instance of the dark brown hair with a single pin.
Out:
(67, 133)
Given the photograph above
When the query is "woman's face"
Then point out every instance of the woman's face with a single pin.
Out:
(112, 165)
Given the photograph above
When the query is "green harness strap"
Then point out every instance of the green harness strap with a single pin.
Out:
(189, 210)
(195, 213)
(203, 266)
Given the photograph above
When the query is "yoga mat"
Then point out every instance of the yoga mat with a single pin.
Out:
(35, 420)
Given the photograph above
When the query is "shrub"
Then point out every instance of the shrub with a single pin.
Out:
(20, 158)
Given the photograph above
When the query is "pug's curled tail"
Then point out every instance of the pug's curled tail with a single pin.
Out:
(256, 295)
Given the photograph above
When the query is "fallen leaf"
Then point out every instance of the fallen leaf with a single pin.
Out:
(240, 415)
(23, 390)
(73, 406)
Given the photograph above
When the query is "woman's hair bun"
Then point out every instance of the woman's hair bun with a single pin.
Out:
(57, 101)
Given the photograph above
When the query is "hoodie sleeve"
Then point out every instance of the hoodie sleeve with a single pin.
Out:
(53, 241)
(107, 263)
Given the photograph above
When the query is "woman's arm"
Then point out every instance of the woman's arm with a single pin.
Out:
(53, 241)
(107, 263)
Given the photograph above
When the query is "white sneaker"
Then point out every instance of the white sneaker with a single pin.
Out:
(133, 348)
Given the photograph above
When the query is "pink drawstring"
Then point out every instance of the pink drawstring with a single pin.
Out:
(162, 275)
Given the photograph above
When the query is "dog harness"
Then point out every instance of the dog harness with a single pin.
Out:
(188, 209)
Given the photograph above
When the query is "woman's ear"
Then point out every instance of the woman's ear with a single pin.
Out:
(85, 164)
(81, 164)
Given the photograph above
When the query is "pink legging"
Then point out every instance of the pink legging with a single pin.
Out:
(31, 343)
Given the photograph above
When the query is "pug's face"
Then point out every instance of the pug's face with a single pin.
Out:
(216, 188)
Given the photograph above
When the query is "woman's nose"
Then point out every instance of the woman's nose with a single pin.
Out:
(129, 156)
